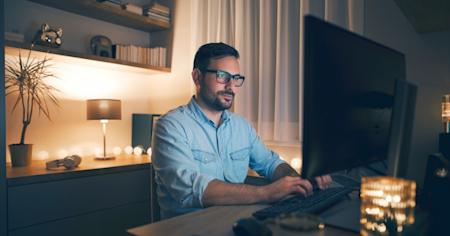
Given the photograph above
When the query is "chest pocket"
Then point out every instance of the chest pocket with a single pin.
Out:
(206, 162)
(239, 165)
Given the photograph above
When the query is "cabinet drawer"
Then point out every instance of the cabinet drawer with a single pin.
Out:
(43, 202)
(110, 222)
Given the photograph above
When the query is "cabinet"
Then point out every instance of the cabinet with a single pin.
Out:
(98, 198)
(161, 33)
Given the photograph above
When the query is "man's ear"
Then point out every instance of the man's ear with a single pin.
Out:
(196, 74)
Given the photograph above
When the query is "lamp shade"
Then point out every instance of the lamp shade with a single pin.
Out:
(103, 109)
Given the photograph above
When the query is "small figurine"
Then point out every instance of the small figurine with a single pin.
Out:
(48, 37)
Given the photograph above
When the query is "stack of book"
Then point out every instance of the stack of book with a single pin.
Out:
(149, 56)
(111, 3)
(158, 12)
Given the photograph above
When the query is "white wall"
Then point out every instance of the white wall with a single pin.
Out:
(428, 66)
(79, 80)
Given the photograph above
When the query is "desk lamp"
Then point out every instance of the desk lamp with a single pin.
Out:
(444, 137)
(104, 110)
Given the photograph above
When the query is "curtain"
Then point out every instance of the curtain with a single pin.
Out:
(269, 37)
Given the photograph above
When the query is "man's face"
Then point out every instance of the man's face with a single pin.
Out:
(215, 95)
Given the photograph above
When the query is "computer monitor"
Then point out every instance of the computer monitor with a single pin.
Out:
(355, 99)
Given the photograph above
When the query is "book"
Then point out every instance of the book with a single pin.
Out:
(156, 7)
(158, 17)
(133, 8)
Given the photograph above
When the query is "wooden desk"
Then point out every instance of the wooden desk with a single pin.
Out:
(218, 221)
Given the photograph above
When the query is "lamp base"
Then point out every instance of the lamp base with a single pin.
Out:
(104, 158)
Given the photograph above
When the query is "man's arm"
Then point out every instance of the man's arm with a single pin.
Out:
(286, 170)
(221, 193)
(282, 170)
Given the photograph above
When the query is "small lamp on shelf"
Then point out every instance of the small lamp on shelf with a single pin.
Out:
(104, 110)
(387, 205)
(444, 137)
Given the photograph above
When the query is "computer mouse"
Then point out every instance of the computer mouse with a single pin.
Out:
(250, 227)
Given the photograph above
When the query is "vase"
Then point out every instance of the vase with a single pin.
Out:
(20, 154)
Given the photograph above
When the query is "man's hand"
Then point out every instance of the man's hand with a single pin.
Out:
(291, 185)
(323, 181)
(284, 186)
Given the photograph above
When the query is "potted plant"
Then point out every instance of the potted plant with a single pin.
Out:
(25, 78)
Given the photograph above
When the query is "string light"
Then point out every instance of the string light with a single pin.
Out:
(117, 151)
(137, 151)
(128, 150)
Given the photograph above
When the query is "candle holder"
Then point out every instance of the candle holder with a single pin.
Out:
(387, 205)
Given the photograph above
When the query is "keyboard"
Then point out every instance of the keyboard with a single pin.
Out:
(319, 200)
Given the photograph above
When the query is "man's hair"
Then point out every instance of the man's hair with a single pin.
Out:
(213, 51)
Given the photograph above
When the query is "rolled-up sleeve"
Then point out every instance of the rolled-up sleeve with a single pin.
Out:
(175, 166)
(262, 160)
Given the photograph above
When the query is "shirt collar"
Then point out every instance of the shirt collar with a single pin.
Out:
(197, 111)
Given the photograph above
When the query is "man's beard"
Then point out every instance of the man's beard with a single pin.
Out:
(213, 101)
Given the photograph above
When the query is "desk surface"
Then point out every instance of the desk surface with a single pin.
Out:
(218, 221)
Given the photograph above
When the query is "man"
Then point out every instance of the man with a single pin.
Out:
(201, 151)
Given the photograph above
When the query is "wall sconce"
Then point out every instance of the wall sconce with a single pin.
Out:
(445, 105)
(104, 110)
(444, 137)
(387, 205)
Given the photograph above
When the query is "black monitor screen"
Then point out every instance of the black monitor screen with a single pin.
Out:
(349, 84)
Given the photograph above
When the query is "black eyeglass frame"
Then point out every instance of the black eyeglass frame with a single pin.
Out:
(224, 77)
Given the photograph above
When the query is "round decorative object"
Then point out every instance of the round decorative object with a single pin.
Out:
(101, 46)
(300, 222)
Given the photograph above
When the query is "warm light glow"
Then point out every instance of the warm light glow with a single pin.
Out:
(149, 151)
(137, 151)
(296, 163)
(445, 108)
(117, 151)
(75, 73)
(77, 151)
(62, 153)
(98, 152)
(385, 200)
(42, 155)
(128, 150)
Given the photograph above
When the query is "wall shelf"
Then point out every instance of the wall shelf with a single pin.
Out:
(13, 48)
(93, 9)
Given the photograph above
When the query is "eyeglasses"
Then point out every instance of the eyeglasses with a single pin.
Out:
(224, 77)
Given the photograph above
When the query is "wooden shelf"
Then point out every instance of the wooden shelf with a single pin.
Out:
(12, 49)
(93, 9)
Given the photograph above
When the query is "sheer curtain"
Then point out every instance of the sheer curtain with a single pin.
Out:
(268, 35)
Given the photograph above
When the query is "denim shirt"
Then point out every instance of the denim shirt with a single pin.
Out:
(189, 151)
